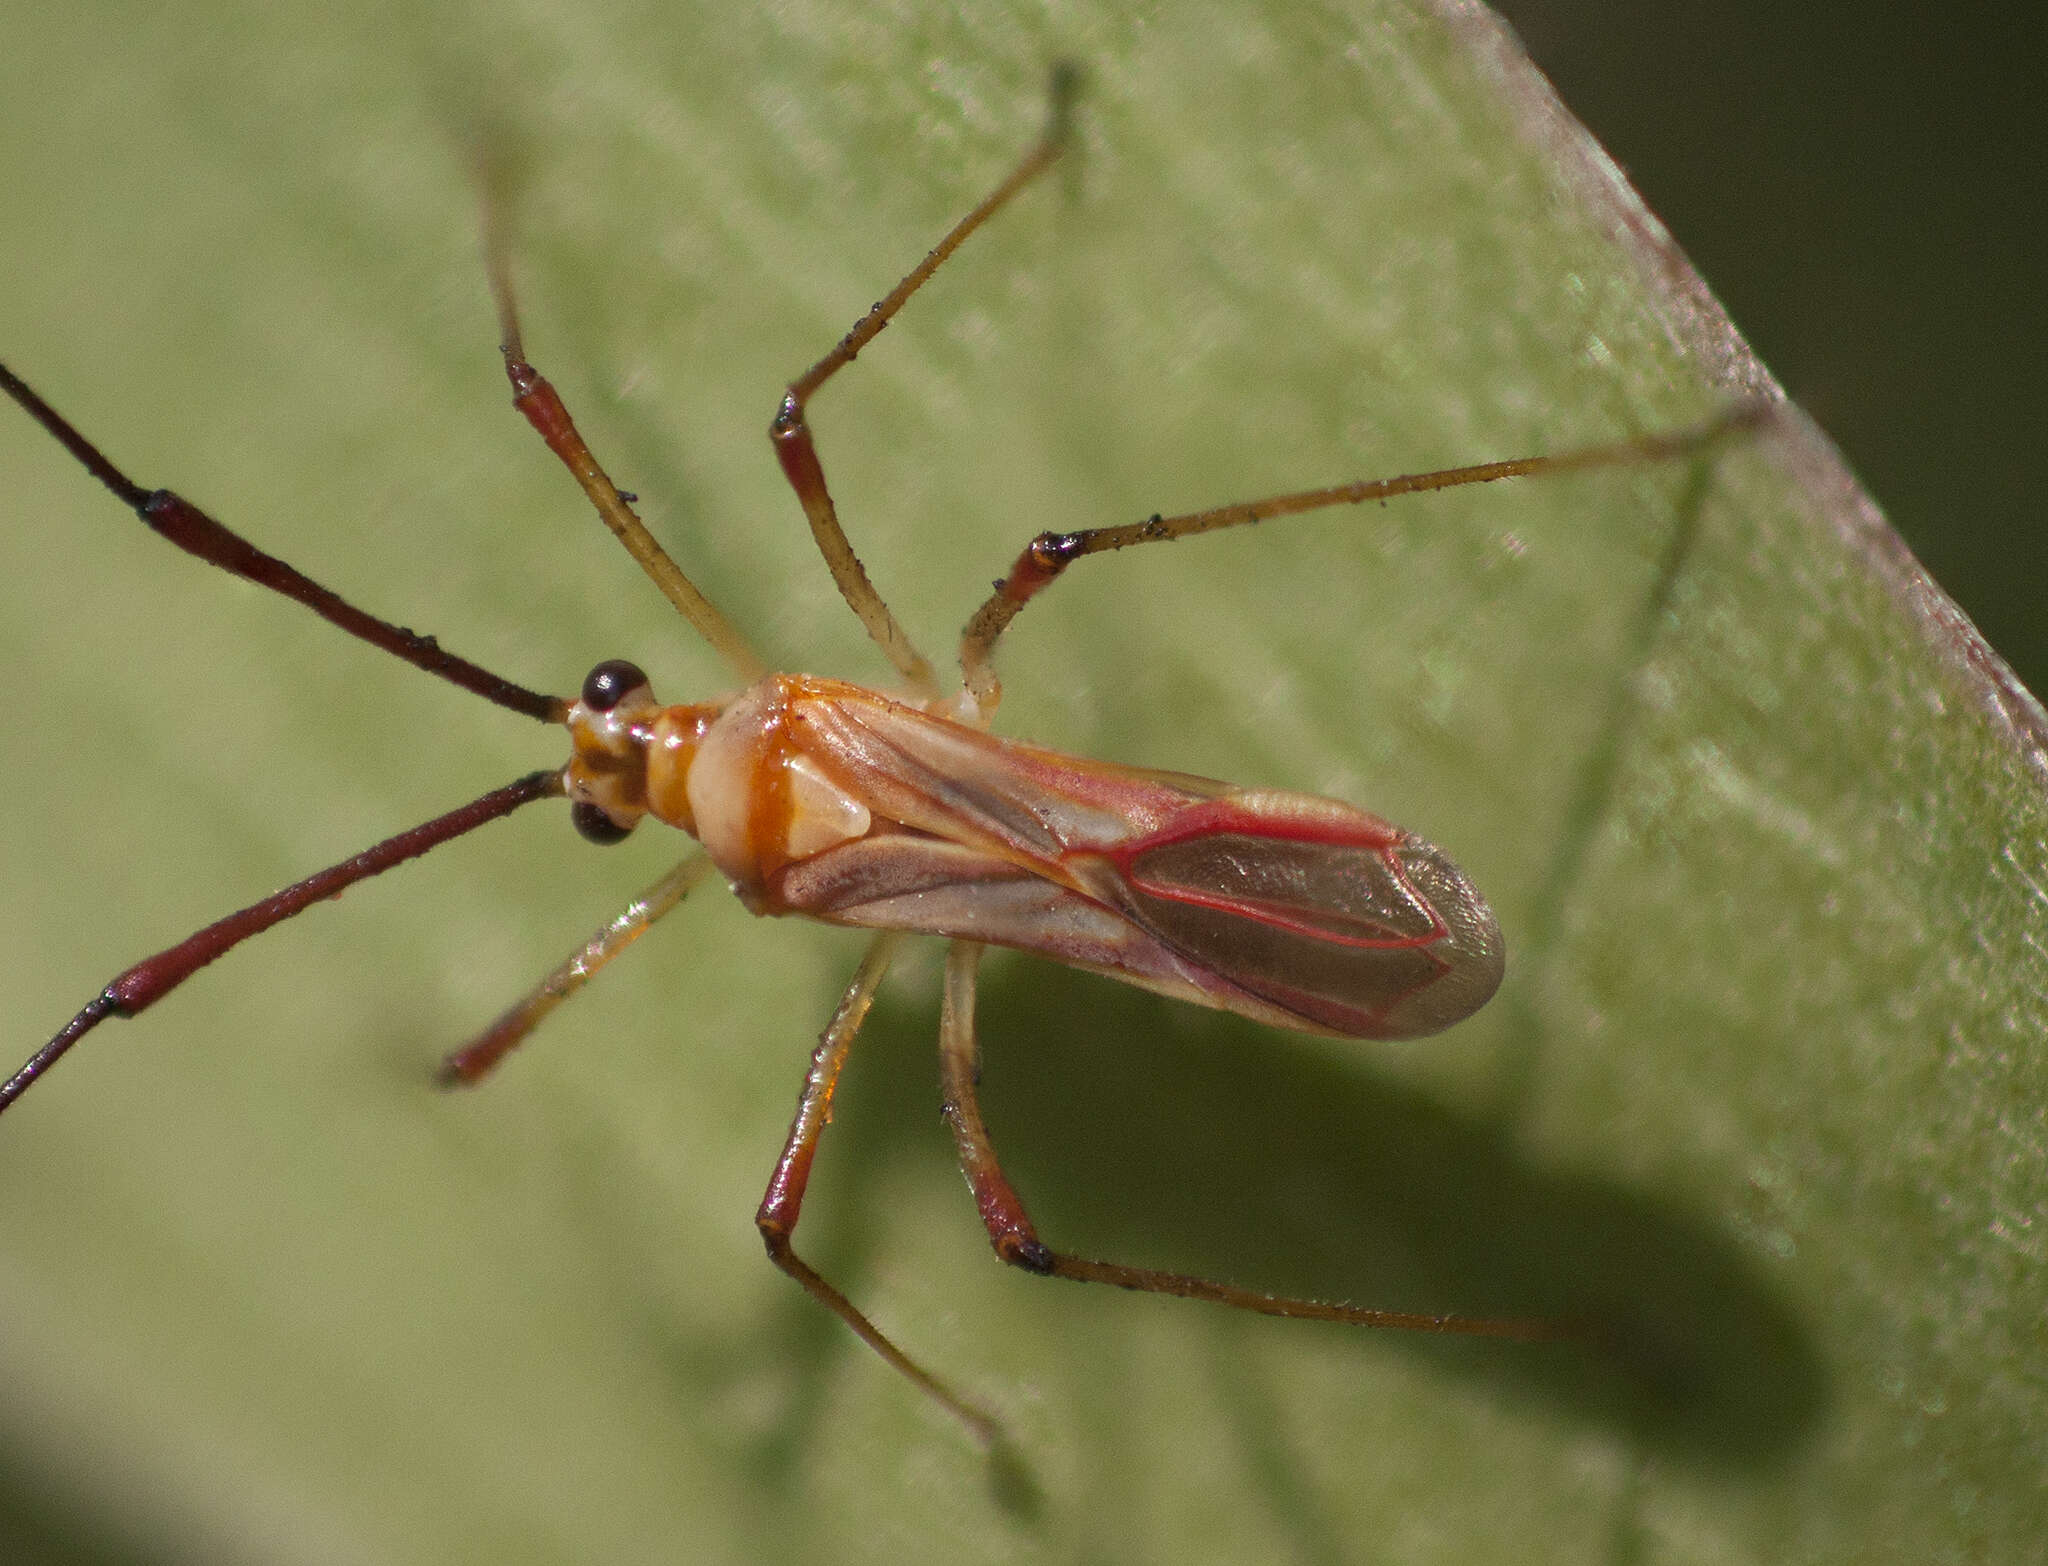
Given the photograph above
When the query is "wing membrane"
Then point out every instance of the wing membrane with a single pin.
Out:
(1279, 906)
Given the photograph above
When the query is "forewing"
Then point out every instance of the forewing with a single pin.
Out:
(907, 881)
(1279, 906)
(1352, 925)
(968, 786)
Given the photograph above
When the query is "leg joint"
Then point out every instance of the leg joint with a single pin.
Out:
(774, 1235)
(1026, 1251)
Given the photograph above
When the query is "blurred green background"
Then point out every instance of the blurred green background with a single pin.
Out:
(1766, 1071)
(1862, 186)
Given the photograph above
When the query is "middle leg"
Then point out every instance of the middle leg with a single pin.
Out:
(783, 1203)
(797, 451)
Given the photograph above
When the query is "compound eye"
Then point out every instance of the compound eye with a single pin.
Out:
(592, 822)
(610, 683)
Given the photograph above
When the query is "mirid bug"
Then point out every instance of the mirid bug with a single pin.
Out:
(903, 814)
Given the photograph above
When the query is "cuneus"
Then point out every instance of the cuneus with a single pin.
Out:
(903, 814)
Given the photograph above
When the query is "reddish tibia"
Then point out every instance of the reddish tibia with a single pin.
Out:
(825, 799)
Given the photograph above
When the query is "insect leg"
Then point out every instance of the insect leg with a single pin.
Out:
(1002, 1210)
(797, 450)
(1017, 1242)
(782, 1204)
(1049, 554)
(536, 398)
(480, 1056)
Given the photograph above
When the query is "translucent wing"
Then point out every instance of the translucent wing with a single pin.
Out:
(1284, 907)
(1348, 923)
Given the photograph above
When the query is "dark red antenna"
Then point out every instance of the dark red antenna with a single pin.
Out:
(192, 530)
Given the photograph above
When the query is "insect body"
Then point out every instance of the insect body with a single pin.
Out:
(826, 799)
(903, 814)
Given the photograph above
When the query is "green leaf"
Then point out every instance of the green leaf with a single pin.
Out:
(1762, 821)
